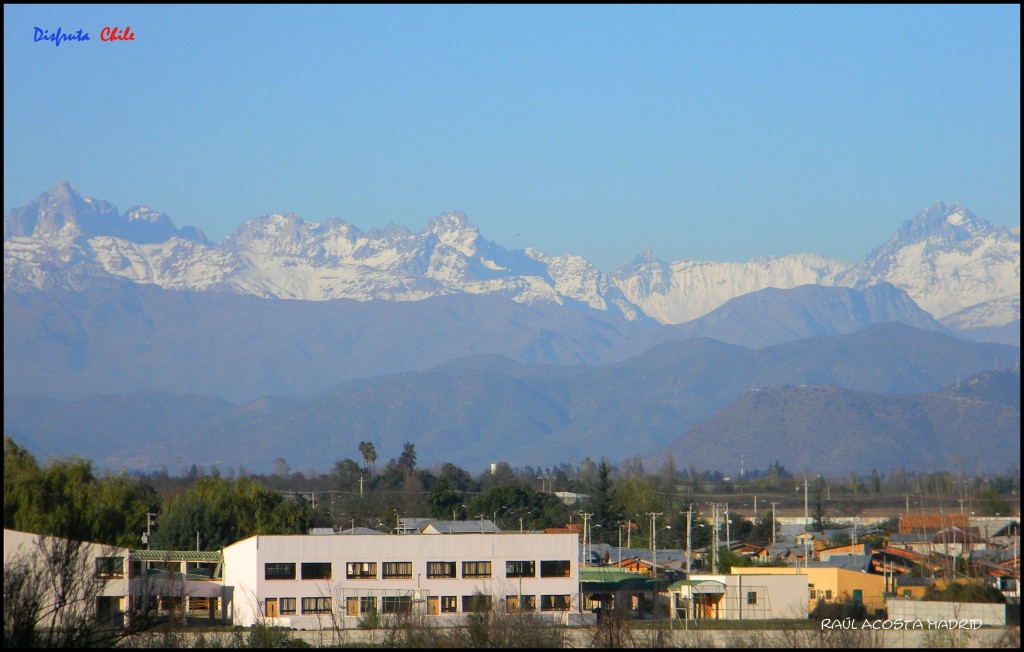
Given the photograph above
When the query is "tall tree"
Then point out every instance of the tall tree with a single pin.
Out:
(407, 460)
(602, 502)
(369, 455)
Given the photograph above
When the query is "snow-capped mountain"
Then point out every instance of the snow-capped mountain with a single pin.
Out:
(946, 259)
(678, 292)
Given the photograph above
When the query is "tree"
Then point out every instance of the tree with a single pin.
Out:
(369, 455)
(223, 512)
(603, 500)
(345, 475)
(407, 460)
(443, 499)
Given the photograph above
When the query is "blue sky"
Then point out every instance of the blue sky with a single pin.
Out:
(708, 133)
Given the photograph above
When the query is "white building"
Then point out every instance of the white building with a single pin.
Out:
(739, 597)
(120, 582)
(310, 582)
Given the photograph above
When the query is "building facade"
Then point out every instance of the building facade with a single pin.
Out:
(310, 582)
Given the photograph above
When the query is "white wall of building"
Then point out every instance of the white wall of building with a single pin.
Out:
(758, 597)
(246, 560)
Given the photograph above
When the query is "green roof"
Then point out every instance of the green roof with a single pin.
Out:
(613, 579)
(168, 555)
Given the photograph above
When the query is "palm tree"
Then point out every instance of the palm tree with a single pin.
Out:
(369, 454)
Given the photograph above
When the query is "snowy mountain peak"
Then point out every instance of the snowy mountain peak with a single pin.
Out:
(948, 223)
(946, 258)
(454, 221)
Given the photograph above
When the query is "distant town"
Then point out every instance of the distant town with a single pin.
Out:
(593, 555)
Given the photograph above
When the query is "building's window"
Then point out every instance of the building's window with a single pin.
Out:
(449, 604)
(110, 610)
(279, 571)
(436, 569)
(555, 602)
(397, 570)
(316, 605)
(813, 593)
(202, 570)
(828, 594)
(164, 569)
(519, 569)
(751, 597)
(520, 603)
(170, 605)
(361, 570)
(109, 567)
(476, 569)
(316, 571)
(475, 603)
(287, 606)
(396, 604)
(555, 568)
(360, 605)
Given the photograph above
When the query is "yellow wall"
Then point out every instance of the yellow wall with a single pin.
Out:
(839, 581)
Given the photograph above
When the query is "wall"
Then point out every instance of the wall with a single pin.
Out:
(244, 564)
(988, 614)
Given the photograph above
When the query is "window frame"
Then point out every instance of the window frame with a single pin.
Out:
(316, 605)
(471, 601)
(107, 568)
(552, 568)
(396, 604)
(283, 564)
(283, 610)
(453, 566)
(449, 604)
(475, 565)
(548, 602)
(362, 574)
(308, 567)
(519, 572)
(392, 574)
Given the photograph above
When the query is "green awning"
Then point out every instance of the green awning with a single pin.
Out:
(613, 579)
(171, 555)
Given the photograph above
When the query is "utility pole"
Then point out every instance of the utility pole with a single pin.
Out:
(714, 540)
(586, 539)
(149, 528)
(773, 523)
(807, 523)
(728, 536)
(689, 528)
(654, 542)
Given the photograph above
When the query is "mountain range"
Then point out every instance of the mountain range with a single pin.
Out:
(132, 341)
(945, 258)
(479, 409)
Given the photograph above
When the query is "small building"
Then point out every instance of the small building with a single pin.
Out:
(833, 584)
(746, 596)
(913, 587)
